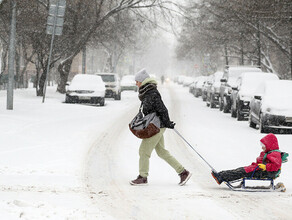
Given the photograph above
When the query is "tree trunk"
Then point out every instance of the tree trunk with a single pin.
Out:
(17, 68)
(259, 46)
(40, 90)
(4, 60)
(64, 70)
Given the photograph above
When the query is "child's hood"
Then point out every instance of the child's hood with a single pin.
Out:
(271, 142)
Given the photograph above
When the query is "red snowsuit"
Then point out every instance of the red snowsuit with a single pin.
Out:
(273, 160)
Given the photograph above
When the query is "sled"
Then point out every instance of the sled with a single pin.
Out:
(243, 185)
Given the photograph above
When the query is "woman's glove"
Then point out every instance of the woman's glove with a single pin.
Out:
(262, 166)
(170, 125)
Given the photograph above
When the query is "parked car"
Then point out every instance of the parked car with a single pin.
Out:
(213, 92)
(86, 88)
(188, 81)
(207, 89)
(112, 85)
(128, 83)
(180, 79)
(271, 107)
(230, 76)
(192, 86)
(198, 86)
(246, 87)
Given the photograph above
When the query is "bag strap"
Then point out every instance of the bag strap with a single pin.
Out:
(140, 108)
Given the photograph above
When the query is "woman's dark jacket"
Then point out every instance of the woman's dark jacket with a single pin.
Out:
(152, 102)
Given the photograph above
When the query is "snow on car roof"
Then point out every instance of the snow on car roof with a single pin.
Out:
(128, 78)
(85, 82)
(252, 80)
(235, 72)
(218, 75)
(106, 73)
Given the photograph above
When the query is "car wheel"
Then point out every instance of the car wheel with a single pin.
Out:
(212, 104)
(101, 102)
(225, 105)
(233, 113)
(250, 122)
(262, 126)
(239, 115)
(68, 99)
(220, 104)
(118, 96)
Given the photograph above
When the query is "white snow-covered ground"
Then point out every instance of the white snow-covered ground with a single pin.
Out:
(74, 161)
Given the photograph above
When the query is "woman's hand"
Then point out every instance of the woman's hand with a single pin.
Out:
(170, 125)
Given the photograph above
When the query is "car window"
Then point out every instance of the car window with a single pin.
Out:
(108, 78)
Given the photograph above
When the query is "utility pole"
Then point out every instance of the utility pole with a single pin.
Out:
(11, 56)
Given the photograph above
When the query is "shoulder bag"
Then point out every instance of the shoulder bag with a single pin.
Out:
(145, 126)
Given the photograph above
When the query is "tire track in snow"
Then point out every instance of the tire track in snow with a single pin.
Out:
(106, 179)
(243, 204)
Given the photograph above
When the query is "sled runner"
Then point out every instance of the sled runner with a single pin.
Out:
(241, 185)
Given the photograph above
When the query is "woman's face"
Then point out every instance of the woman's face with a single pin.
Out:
(138, 84)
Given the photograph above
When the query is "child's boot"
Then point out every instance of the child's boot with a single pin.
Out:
(217, 177)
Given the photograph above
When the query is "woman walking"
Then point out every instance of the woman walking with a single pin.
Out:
(152, 102)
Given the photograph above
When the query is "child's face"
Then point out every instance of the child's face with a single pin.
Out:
(263, 147)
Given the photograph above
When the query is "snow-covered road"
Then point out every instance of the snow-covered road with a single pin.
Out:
(113, 161)
(75, 162)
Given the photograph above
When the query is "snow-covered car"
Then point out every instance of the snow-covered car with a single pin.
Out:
(181, 79)
(112, 84)
(246, 87)
(198, 85)
(86, 88)
(213, 90)
(271, 107)
(230, 76)
(188, 81)
(128, 83)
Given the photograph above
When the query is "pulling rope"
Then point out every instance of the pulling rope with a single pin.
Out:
(194, 150)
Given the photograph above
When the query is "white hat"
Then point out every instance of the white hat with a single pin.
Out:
(141, 75)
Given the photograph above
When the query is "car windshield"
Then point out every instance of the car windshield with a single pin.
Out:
(279, 88)
(108, 78)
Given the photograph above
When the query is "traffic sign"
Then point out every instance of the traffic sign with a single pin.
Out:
(55, 19)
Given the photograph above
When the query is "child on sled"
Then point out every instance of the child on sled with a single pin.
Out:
(267, 165)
